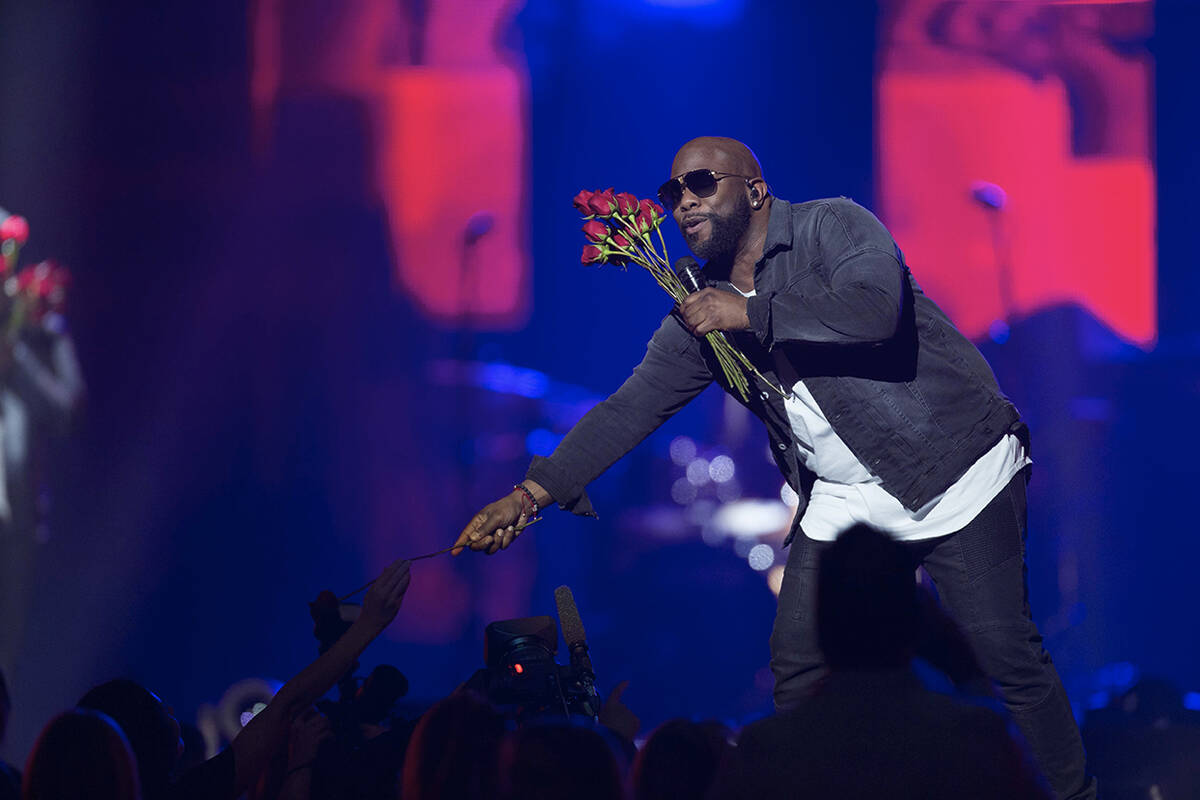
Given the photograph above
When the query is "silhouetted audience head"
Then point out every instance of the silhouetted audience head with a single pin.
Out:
(680, 759)
(194, 748)
(81, 755)
(867, 607)
(557, 759)
(152, 731)
(453, 751)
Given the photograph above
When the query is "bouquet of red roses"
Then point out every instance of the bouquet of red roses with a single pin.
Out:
(30, 293)
(626, 238)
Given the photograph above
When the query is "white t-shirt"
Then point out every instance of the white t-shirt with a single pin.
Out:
(847, 493)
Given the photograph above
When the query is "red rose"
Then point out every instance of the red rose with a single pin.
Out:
(581, 202)
(626, 204)
(619, 240)
(57, 279)
(43, 279)
(653, 211)
(14, 227)
(56, 289)
(591, 255)
(603, 204)
(596, 230)
(644, 222)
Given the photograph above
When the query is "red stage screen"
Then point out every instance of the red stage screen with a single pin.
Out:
(1015, 167)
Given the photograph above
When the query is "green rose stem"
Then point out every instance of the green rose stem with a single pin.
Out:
(645, 256)
(15, 319)
(9, 249)
(641, 251)
(729, 356)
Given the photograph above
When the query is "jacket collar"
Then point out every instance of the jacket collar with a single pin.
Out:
(779, 228)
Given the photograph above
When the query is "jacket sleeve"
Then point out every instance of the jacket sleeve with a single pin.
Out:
(853, 296)
(672, 372)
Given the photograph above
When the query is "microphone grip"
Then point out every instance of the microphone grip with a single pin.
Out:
(580, 657)
(692, 278)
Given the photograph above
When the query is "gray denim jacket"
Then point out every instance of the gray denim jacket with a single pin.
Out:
(835, 305)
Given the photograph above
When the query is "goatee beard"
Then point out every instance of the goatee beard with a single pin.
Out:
(725, 234)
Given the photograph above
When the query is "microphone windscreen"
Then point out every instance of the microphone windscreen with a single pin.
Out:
(568, 616)
(689, 274)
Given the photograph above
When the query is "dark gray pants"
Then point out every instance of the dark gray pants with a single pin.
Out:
(980, 575)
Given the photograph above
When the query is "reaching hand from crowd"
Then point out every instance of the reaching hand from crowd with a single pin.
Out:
(383, 599)
(265, 734)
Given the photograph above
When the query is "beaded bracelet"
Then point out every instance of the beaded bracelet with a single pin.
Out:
(528, 494)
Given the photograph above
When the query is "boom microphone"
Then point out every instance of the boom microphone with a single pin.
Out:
(691, 276)
(574, 634)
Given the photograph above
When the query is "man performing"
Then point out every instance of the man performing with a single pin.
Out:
(894, 419)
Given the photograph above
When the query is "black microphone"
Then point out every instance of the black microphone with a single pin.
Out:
(574, 634)
(690, 274)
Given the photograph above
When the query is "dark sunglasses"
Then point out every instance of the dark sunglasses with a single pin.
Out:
(700, 182)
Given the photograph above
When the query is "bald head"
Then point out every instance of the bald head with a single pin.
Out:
(723, 219)
(718, 153)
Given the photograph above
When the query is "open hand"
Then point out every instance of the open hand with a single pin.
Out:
(383, 599)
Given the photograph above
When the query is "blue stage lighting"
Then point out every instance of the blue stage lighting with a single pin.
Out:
(541, 442)
(712, 12)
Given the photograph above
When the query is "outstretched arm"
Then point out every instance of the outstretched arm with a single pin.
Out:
(669, 376)
(265, 734)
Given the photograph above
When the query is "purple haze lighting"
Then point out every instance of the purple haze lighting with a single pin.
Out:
(999, 331)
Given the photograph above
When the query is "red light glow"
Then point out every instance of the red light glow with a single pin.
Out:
(1065, 134)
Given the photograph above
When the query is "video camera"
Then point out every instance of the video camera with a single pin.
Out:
(523, 679)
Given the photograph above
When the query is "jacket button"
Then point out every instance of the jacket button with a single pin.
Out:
(782, 446)
(763, 395)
